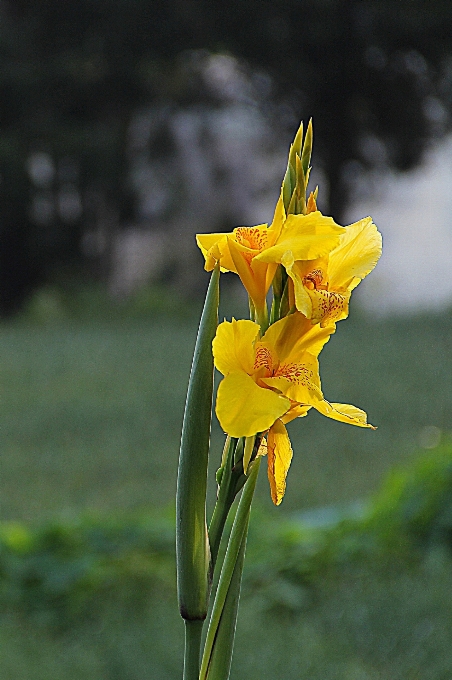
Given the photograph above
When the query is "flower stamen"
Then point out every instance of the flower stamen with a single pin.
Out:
(313, 280)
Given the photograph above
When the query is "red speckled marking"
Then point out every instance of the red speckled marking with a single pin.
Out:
(299, 374)
(251, 237)
(263, 360)
(330, 304)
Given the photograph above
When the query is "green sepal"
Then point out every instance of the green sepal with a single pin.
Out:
(286, 188)
(300, 189)
(295, 148)
(192, 545)
(292, 207)
(307, 149)
(297, 143)
(293, 177)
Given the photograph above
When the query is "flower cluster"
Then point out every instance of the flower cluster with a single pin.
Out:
(270, 363)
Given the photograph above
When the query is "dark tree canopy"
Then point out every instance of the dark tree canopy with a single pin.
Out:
(374, 74)
(363, 69)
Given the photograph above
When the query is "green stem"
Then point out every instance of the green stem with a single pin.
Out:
(284, 302)
(238, 532)
(262, 318)
(252, 309)
(193, 633)
(219, 517)
(221, 658)
(232, 479)
(274, 313)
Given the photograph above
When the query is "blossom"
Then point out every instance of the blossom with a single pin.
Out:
(322, 287)
(269, 381)
(255, 252)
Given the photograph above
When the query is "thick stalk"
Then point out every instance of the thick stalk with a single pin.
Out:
(193, 632)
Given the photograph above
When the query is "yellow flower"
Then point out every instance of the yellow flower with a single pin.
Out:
(269, 381)
(322, 287)
(255, 252)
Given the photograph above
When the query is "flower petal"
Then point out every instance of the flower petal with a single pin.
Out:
(295, 412)
(356, 255)
(307, 237)
(233, 346)
(345, 413)
(279, 218)
(252, 274)
(214, 247)
(328, 306)
(253, 239)
(299, 382)
(243, 408)
(296, 271)
(283, 334)
(295, 334)
(279, 451)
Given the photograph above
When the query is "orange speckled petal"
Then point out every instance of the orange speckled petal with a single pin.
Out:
(328, 306)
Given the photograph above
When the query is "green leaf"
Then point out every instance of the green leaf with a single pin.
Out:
(192, 546)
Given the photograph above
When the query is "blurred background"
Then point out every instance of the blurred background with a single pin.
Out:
(126, 126)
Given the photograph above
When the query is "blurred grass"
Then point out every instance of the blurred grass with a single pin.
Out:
(92, 402)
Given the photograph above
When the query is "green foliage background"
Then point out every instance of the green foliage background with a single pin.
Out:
(92, 401)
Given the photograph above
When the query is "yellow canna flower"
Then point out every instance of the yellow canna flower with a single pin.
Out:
(255, 252)
(269, 381)
(322, 287)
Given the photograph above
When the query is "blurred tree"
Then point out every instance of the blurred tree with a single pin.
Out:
(374, 74)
